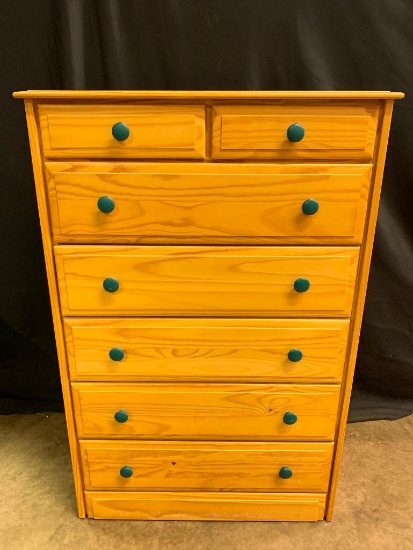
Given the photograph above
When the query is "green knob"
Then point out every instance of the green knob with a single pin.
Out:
(116, 354)
(295, 355)
(301, 284)
(121, 416)
(110, 284)
(120, 131)
(295, 132)
(127, 471)
(310, 207)
(289, 418)
(285, 472)
(106, 205)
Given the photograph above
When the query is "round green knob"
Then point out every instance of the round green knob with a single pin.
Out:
(126, 471)
(310, 207)
(120, 131)
(289, 418)
(301, 284)
(295, 132)
(121, 416)
(110, 284)
(285, 472)
(106, 205)
(116, 354)
(295, 355)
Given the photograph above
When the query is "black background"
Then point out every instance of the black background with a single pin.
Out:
(205, 45)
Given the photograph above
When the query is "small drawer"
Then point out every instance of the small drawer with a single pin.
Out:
(196, 350)
(124, 131)
(206, 281)
(294, 131)
(212, 466)
(254, 412)
(191, 203)
(206, 506)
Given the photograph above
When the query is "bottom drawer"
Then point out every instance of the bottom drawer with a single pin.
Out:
(206, 506)
(206, 466)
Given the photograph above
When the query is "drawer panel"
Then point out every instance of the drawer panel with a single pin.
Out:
(195, 466)
(155, 131)
(209, 203)
(260, 131)
(206, 281)
(206, 506)
(206, 411)
(246, 350)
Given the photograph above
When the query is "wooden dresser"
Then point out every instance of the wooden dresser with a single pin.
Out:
(207, 257)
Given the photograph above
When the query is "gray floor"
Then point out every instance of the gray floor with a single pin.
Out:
(374, 507)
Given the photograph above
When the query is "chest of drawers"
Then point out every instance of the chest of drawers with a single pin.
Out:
(207, 256)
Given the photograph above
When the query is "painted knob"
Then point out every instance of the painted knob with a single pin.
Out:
(289, 418)
(120, 131)
(126, 471)
(295, 355)
(110, 284)
(116, 354)
(121, 416)
(106, 205)
(310, 207)
(301, 284)
(285, 472)
(295, 132)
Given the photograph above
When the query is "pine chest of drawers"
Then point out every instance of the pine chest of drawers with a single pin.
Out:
(207, 257)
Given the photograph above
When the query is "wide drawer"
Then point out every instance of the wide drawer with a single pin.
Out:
(196, 466)
(206, 506)
(206, 281)
(208, 203)
(255, 412)
(246, 350)
(261, 131)
(153, 131)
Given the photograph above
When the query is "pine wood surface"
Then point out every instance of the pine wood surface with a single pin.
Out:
(155, 131)
(207, 203)
(331, 132)
(245, 350)
(206, 281)
(200, 466)
(206, 411)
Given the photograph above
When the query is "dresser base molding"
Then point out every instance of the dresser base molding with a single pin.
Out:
(206, 506)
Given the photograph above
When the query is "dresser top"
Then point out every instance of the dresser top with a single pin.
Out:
(186, 94)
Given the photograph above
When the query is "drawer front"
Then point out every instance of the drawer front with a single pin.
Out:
(253, 350)
(206, 506)
(206, 281)
(206, 411)
(330, 132)
(156, 131)
(210, 203)
(181, 466)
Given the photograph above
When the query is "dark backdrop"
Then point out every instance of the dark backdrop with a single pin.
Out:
(211, 45)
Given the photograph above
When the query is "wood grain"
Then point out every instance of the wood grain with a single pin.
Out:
(362, 280)
(331, 132)
(205, 94)
(54, 300)
(206, 281)
(173, 131)
(207, 202)
(206, 506)
(237, 350)
(206, 411)
(200, 466)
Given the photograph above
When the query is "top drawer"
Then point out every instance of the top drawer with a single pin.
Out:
(293, 131)
(157, 131)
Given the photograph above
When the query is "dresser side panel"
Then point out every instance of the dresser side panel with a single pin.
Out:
(54, 297)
